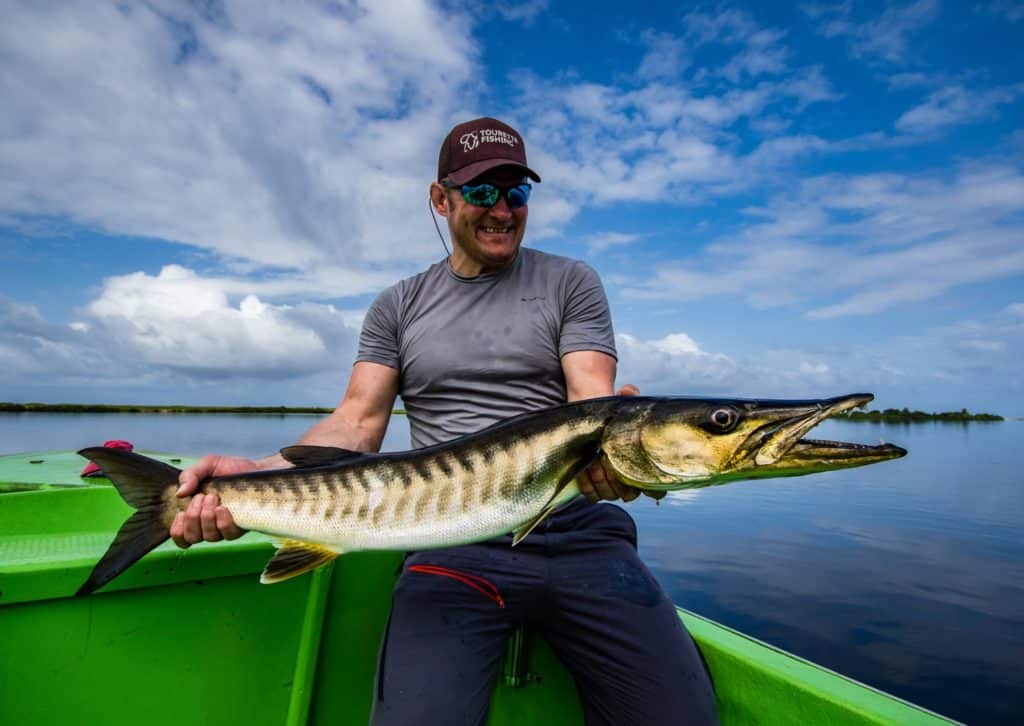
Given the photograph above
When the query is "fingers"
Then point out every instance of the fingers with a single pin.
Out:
(208, 519)
(204, 520)
(178, 531)
(596, 483)
(629, 390)
(226, 524)
(188, 479)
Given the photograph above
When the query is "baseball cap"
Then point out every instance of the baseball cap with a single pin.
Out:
(473, 147)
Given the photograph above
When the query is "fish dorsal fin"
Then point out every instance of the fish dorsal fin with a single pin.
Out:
(295, 557)
(553, 502)
(302, 455)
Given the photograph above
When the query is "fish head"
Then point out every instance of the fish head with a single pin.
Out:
(675, 443)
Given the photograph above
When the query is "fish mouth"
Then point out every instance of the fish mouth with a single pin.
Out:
(778, 444)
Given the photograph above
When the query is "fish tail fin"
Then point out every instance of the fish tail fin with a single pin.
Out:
(143, 483)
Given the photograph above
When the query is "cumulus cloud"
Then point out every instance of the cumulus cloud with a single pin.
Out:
(676, 364)
(968, 360)
(296, 136)
(181, 321)
(178, 329)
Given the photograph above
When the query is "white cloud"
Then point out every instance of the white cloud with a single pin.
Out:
(659, 142)
(677, 344)
(816, 369)
(297, 136)
(665, 58)
(181, 321)
(885, 37)
(985, 346)
(672, 364)
(955, 105)
(177, 337)
(760, 51)
(969, 361)
(601, 242)
(868, 242)
(525, 12)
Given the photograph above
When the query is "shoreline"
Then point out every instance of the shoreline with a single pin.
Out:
(8, 407)
(894, 415)
(887, 415)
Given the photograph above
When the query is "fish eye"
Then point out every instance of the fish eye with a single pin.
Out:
(723, 420)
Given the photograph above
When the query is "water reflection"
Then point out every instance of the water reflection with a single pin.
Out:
(907, 576)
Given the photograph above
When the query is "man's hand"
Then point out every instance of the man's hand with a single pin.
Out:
(206, 520)
(599, 482)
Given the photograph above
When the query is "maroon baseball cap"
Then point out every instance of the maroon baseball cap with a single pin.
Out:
(476, 146)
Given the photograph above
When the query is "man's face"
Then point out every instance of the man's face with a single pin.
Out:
(487, 236)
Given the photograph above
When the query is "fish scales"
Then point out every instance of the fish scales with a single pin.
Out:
(459, 493)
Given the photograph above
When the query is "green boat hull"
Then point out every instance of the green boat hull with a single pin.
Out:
(192, 637)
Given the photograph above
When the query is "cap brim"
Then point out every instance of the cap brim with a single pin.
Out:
(469, 173)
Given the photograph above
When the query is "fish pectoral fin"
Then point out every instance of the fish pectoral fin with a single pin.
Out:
(295, 557)
(520, 534)
(302, 455)
(567, 478)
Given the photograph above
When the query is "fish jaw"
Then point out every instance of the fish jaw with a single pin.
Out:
(808, 456)
(778, 436)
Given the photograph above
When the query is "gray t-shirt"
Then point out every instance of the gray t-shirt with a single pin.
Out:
(473, 351)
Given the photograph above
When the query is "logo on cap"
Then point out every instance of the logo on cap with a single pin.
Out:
(469, 141)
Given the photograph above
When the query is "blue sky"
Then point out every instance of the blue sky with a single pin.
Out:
(198, 202)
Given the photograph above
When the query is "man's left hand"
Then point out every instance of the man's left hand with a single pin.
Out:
(599, 482)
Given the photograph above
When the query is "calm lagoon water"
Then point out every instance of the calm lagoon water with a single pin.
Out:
(908, 575)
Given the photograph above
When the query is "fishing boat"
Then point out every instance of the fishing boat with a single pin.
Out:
(190, 636)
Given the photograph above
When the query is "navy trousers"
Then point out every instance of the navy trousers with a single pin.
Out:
(579, 582)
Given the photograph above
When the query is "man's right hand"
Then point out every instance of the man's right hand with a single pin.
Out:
(205, 519)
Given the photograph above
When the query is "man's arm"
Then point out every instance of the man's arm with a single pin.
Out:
(591, 374)
(358, 423)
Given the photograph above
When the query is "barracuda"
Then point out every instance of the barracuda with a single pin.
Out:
(506, 478)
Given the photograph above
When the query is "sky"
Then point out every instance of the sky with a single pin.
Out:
(198, 201)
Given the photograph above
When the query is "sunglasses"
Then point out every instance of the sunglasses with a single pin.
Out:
(487, 195)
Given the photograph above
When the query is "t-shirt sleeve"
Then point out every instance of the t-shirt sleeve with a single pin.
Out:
(587, 321)
(378, 341)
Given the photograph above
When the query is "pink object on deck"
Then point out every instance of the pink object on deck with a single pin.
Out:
(92, 470)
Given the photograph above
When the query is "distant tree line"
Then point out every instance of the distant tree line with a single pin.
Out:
(906, 415)
(108, 408)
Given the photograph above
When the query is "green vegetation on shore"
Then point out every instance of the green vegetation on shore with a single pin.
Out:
(105, 408)
(902, 415)
(905, 415)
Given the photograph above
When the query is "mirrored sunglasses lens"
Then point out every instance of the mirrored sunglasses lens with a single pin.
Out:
(518, 196)
(482, 195)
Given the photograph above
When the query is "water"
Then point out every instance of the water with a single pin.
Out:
(908, 575)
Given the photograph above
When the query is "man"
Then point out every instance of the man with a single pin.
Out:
(492, 331)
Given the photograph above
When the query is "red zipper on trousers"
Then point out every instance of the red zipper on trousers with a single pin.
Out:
(479, 584)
